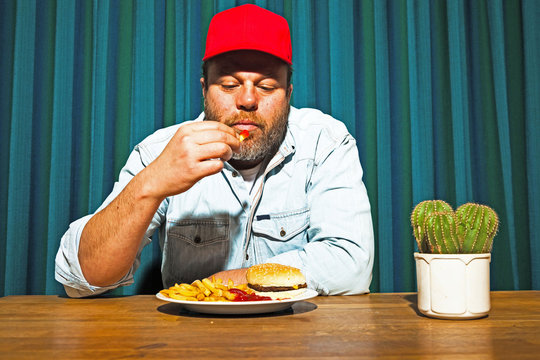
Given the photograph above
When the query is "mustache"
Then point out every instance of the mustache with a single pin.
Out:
(242, 116)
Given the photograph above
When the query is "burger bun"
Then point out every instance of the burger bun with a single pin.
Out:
(276, 281)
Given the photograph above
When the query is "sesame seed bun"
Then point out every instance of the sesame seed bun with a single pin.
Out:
(276, 281)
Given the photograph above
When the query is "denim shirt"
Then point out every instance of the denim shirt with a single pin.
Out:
(310, 211)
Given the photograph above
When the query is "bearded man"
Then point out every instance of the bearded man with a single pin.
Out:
(290, 193)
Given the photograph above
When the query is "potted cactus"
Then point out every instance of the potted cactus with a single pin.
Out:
(452, 265)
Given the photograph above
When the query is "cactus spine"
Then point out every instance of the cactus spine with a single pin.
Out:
(418, 217)
(478, 226)
(441, 232)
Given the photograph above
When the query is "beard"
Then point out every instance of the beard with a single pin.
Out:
(264, 142)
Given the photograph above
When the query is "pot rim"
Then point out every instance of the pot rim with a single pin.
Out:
(466, 258)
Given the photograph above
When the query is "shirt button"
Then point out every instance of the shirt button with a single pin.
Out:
(235, 174)
(197, 239)
(282, 232)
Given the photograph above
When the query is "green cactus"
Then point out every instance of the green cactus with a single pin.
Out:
(478, 225)
(441, 230)
(418, 217)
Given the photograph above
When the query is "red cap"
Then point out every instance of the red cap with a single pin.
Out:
(249, 27)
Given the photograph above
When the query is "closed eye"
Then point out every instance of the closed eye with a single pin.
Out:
(266, 87)
(229, 86)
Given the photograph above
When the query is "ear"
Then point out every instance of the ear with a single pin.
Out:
(203, 87)
(289, 91)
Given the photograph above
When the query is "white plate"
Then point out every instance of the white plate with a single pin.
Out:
(240, 307)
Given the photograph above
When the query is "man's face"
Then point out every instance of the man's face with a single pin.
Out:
(247, 90)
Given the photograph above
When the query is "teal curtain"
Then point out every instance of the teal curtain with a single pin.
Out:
(442, 96)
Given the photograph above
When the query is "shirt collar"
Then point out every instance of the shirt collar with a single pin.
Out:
(288, 146)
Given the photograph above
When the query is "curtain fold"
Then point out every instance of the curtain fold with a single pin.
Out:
(420, 99)
(60, 155)
(531, 57)
(18, 225)
(442, 96)
(497, 42)
(384, 147)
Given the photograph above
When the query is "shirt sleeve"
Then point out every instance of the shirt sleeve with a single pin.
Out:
(338, 258)
(67, 267)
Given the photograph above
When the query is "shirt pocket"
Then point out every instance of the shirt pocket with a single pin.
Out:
(195, 249)
(279, 232)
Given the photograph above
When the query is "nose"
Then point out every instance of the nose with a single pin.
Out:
(247, 99)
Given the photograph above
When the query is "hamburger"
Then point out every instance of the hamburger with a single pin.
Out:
(276, 281)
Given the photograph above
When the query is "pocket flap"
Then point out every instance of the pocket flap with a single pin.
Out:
(200, 232)
(281, 226)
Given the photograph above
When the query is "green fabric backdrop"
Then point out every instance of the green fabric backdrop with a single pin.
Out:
(442, 96)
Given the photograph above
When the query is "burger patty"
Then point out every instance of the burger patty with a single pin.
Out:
(276, 288)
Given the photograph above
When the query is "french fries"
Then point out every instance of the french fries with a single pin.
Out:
(205, 290)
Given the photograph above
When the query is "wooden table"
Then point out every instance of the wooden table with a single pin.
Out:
(365, 326)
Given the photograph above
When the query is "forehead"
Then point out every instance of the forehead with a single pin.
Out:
(247, 61)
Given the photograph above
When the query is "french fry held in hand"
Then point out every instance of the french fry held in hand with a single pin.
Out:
(205, 290)
(244, 134)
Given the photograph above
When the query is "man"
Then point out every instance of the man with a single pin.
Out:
(290, 193)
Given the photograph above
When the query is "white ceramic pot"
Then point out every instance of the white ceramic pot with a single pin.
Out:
(453, 286)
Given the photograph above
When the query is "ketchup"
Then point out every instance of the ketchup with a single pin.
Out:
(244, 296)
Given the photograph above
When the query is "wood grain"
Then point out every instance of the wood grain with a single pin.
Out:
(365, 326)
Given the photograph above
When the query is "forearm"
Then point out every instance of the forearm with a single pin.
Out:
(110, 240)
(238, 276)
(332, 266)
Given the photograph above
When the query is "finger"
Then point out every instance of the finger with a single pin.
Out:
(216, 136)
(202, 133)
(215, 150)
(209, 167)
(209, 125)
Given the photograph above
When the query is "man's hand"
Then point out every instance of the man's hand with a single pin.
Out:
(110, 240)
(195, 151)
(238, 276)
